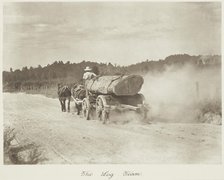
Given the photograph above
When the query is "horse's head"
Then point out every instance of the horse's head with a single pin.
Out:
(80, 86)
(75, 85)
(59, 85)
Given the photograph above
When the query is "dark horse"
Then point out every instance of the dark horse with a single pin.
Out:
(79, 93)
(64, 93)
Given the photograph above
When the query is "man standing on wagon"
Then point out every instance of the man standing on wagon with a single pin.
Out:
(88, 73)
(87, 76)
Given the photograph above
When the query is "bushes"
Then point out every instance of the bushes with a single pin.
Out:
(16, 152)
(210, 111)
(213, 106)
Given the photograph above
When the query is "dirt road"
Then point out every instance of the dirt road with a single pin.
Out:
(68, 139)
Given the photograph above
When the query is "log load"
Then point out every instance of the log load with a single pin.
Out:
(127, 85)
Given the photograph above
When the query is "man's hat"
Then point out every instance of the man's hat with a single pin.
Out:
(87, 68)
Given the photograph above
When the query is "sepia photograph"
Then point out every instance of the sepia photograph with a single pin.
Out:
(112, 83)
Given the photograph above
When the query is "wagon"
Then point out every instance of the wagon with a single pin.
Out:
(112, 93)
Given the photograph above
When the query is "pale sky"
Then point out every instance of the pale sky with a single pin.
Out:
(121, 33)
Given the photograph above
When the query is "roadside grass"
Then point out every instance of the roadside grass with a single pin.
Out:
(210, 111)
(49, 92)
(17, 152)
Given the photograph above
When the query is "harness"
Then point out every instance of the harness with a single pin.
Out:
(78, 92)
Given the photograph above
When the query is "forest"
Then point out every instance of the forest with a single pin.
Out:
(44, 78)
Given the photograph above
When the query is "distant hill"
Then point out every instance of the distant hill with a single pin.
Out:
(60, 72)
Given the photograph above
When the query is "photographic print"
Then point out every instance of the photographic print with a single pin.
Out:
(112, 83)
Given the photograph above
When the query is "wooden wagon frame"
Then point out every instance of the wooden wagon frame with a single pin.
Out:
(102, 105)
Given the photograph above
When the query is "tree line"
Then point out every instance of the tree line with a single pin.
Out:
(35, 78)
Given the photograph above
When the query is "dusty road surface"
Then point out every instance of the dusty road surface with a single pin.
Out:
(68, 139)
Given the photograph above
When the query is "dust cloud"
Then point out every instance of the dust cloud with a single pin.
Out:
(175, 94)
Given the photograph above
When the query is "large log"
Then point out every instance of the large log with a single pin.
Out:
(117, 85)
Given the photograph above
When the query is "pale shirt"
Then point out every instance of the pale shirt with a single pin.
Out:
(88, 75)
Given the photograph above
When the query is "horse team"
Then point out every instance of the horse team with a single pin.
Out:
(65, 93)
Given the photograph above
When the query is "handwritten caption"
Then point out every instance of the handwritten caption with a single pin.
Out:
(110, 174)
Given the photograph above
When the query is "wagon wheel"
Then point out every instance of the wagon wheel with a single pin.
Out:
(86, 108)
(101, 112)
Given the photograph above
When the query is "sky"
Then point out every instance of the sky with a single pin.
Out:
(123, 33)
